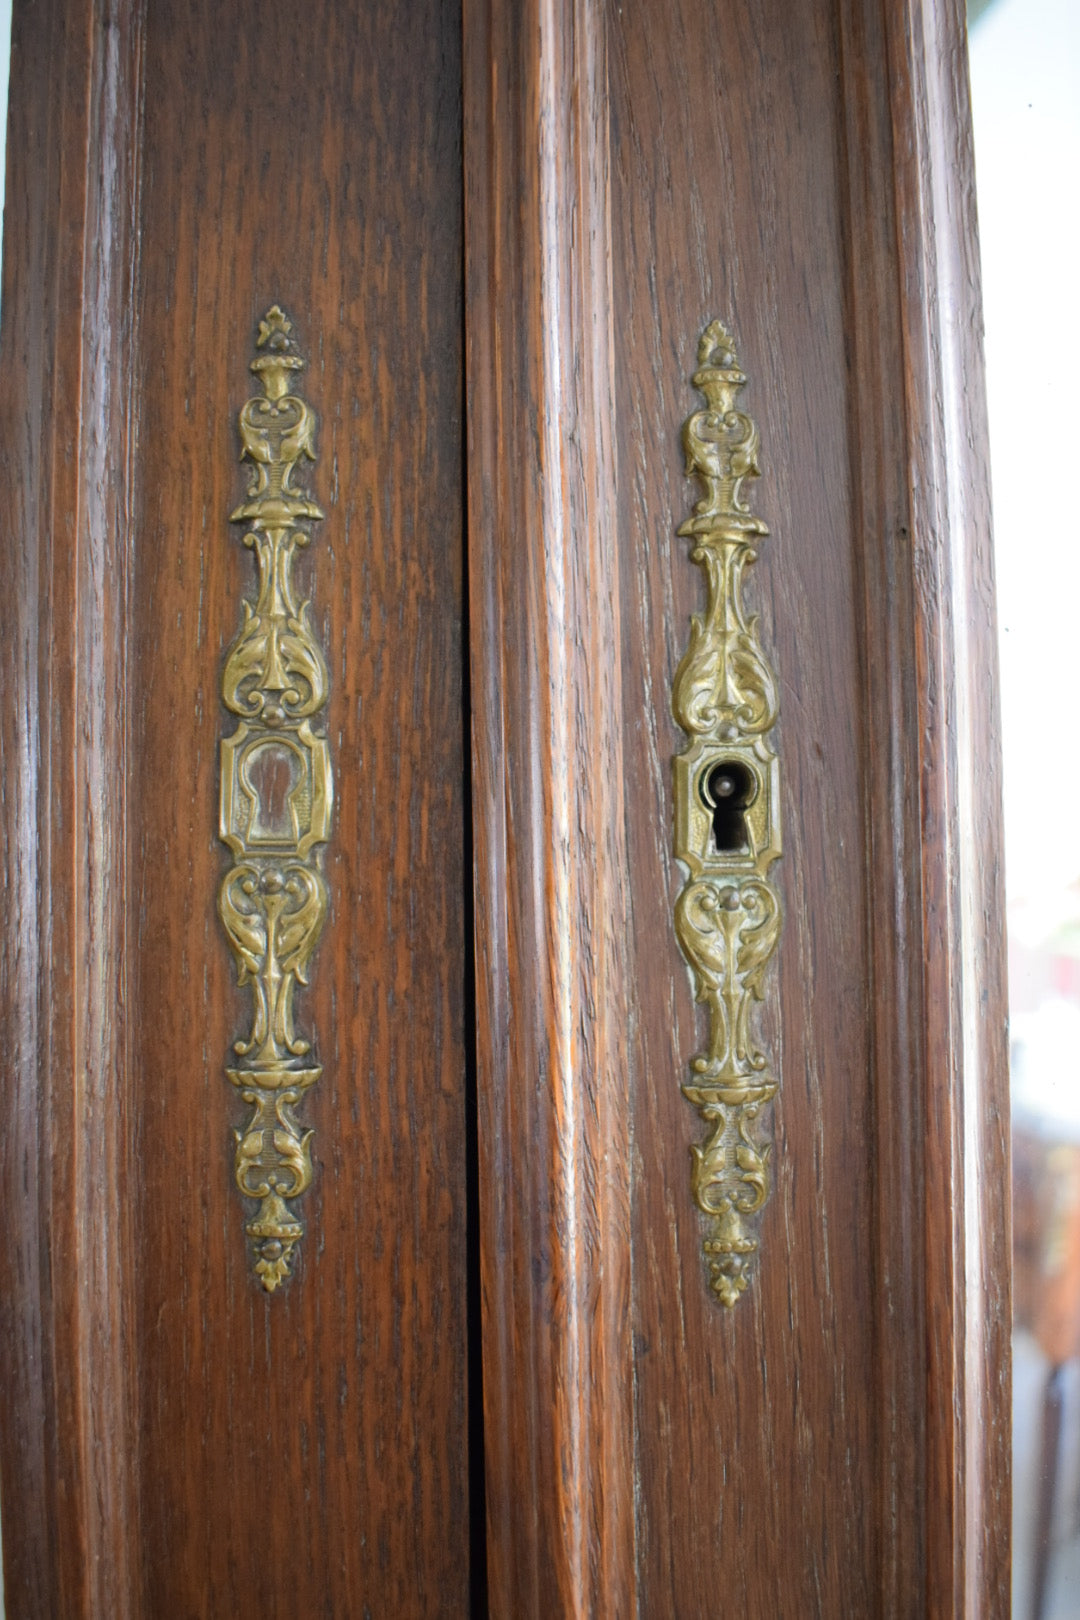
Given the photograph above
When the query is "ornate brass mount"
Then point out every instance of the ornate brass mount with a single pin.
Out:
(727, 825)
(276, 799)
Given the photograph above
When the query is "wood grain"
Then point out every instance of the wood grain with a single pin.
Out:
(191, 1446)
(67, 1413)
(551, 876)
(964, 1099)
(317, 1442)
(811, 182)
(756, 1427)
(172, 1441)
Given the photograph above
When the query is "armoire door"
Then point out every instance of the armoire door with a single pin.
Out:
(832, 1441)
(371, 785)
(179, 1440)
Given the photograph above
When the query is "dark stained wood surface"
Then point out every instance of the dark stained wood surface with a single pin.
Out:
(171, 1441)
(756, 1427)
(305, 1454)
(964, 1124)
(834, 1446)
(851, 1411)
(309, 155)
(67, 1408)
(551, 881)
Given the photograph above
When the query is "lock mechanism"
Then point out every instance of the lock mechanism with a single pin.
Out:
(727, 826)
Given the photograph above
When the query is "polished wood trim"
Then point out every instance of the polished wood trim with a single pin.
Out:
(968, 1221)
(879, 456)
(66, 443)
(550, 861)
(938, 963)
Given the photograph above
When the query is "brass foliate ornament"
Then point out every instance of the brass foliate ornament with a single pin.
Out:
(276, 801)
(727, 826)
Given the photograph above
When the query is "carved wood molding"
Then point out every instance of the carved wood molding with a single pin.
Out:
(552, 892)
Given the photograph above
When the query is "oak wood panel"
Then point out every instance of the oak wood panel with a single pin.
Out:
(756, 1427)
(552, 893)
(316, 1441)
(821, 1451)
(810, 180)
(187, 1445)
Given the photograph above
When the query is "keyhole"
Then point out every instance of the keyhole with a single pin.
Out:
(272, 771)
(727, 792)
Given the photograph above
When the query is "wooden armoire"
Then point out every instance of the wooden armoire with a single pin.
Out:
(496, 1374)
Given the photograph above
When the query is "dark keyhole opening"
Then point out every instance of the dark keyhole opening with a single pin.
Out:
(727, 792)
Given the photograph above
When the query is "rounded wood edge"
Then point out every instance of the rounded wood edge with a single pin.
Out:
(938, 966)
(550, 861)
(68, 1421)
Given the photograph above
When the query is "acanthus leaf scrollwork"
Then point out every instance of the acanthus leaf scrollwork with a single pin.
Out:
(273, 916)
(728, 915)
(276, 800)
